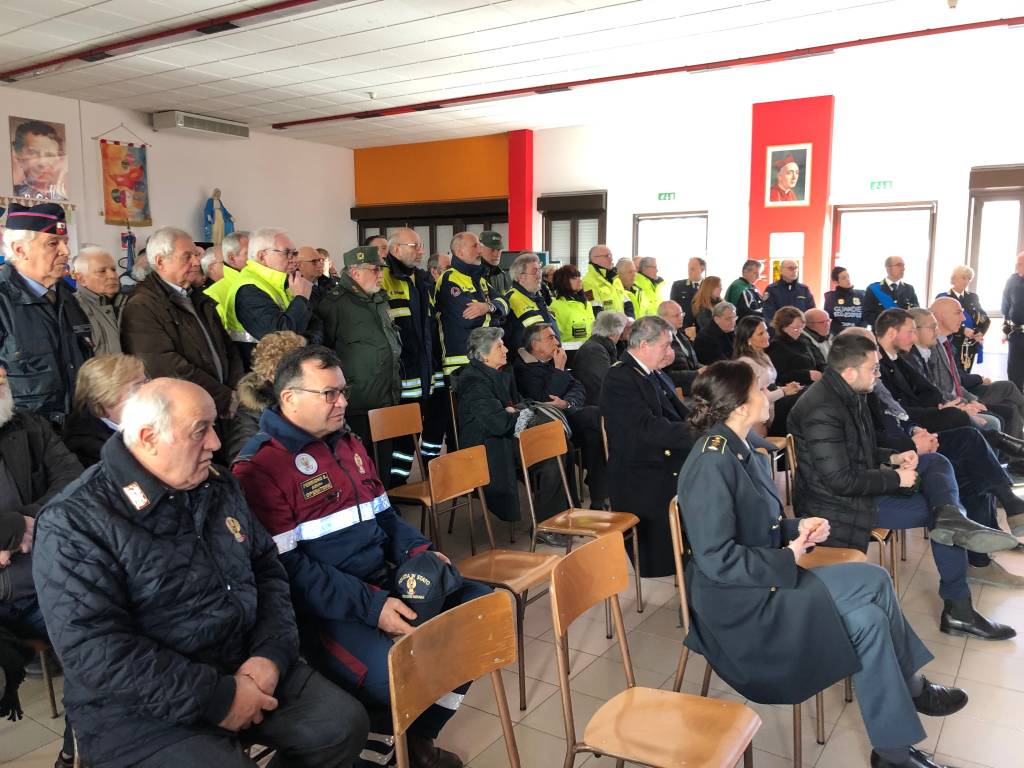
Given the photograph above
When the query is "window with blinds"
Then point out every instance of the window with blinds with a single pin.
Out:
(573, 224)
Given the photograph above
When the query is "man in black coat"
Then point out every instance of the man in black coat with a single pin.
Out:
(684, 366)
(170, 610)
(715, 342)
(846, 478)
(787, 291)
(648, 439)
(541, 376)
(45, 337)
(683, 291)
(598, 354)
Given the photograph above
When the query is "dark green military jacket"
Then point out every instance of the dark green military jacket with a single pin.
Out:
(359, 328)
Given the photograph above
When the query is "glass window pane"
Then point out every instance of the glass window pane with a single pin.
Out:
(867, 238)
(444, 234)
(390, 230)
(997, 247)
(371, 231)
(559, 246)
(424, 232)
(688, 236)
(476, 229)
(501, 227)
(586, 238)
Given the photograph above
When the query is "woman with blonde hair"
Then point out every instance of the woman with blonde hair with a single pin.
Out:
(104, 384)
(709, 294)
(967, 342)
(256, 389)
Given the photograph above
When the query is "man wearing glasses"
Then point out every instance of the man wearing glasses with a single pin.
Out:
(310, 264)
(270, 294)
(357, 325)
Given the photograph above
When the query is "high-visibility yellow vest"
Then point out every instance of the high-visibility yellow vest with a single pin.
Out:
(270, 281)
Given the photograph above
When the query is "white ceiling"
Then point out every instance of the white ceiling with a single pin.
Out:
(328, 59)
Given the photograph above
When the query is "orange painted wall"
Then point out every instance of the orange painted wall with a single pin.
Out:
(457, 169)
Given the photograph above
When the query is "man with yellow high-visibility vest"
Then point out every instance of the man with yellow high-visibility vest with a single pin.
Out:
(597, 282)
(526, 306)
(234, 249)
(464, 301)
(647, 287)
(270, 294)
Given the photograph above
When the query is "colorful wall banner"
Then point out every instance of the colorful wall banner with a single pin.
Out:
(125, 184)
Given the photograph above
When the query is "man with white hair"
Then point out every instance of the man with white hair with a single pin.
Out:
(174, 328)
(44, 334)
(624, 296)
(270, 294)
(212, 265)
(598, 354)
(526, 306)
(647, 286)
(171, 611)
(234, 250)
(99, 295)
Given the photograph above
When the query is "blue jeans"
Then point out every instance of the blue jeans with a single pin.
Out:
(938, 488)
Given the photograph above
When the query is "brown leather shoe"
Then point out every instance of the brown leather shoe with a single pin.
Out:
(423, 754)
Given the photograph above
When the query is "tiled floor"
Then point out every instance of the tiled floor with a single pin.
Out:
(989, 732)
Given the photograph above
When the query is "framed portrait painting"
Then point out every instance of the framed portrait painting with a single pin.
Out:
(39, 164)
(788, 176)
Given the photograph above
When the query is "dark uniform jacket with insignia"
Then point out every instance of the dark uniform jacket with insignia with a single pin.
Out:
(846, 308)
(883, 295)
(648, 439)
(525, 309)
(154, 597)
(412, 311)
(459, 285)
(784, 294)
(751, 606)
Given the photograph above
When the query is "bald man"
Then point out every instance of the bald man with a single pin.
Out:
(310, 263)
(818, 330)
(888, 293)
(787, 291)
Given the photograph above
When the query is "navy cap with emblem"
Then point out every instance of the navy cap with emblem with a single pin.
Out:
(492, 239)
(424, 582)
(45, 217)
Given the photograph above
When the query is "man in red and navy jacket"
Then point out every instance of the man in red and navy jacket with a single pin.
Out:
(312, 484)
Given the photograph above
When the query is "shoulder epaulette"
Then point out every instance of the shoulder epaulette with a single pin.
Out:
(714, 444)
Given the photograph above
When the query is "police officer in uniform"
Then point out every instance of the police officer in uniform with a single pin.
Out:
(1013, 322)
(751, 601)
(45, 337)
(464, 300)
(743, 293)
(683, 291)
(526, 307)
(312, 484)
(597, 282)
(888, 293)
(787, 291)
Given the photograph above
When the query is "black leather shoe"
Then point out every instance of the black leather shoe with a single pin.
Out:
(423, 754)
(978, 626)
(954, 529)
(1004, 444)
(939, 700)
(918, 759)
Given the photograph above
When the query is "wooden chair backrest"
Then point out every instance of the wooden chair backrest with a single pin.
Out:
(604, 439)
(458, 473)
(791, 454)
(675, 525)
(545, 441)
(453, 408)
(679, 393)
(395, 421)
(456, 647)
(585, 577)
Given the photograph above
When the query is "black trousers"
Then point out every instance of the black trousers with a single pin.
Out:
(939, 419)
(1015, 359)
(316, 725)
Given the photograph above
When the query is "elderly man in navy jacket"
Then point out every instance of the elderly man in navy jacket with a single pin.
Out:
(787, 291)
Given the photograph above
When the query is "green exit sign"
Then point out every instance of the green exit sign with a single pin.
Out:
(666, 196)
(879, 185)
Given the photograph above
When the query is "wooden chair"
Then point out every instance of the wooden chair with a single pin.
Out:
(405, 421)
(460, 645)
(884, 537)
(780, 445)
(644, 725)
(464, 473)
(42, 649)
(547, 441)
(819, 557)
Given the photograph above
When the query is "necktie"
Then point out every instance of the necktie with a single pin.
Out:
(952, 367)
(51, 296)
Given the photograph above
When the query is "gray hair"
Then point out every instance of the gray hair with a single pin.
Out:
(481, 341)
(649, 328)
(210, 257)
(962, 270)
(232, 244)
(14, 236)
(83, 261)
(532, 332)
(645, 262)
(920, 313)
(161, 242)
(608, 324)
(519, 266)
(263, 240)
(623, 262)
(147, 407)
(721, 308)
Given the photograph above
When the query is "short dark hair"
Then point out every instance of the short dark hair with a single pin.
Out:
(848, 350)
(784, 317)
(721, 389)
(750, 264)
(561, 281)
(836, 272)
(34, 128)
(532, 332)
(289, 370)
(703, 264)
(368, 240)
(891, 318)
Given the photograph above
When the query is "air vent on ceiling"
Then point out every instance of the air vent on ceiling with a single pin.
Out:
(187, 122)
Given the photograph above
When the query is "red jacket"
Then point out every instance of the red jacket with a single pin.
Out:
(332, 521)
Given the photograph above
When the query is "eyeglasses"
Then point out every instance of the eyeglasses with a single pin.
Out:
(312, 261)
(330, 395)
(417, 246)
(290, 253)
(931, 327)
(377, 269)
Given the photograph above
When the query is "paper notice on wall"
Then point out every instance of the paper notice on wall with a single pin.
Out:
(784, 246)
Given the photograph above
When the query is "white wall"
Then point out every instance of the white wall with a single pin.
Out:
(266, 180)
(920, 113)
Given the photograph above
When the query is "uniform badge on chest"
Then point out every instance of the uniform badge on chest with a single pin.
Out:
(359, 463)
(236, 529)
(305, 463)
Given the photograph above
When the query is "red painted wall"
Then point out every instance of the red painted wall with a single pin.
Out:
(782, 123)
(520, 191)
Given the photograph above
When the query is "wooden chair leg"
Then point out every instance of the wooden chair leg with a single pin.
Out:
(48, 681)
(848, 689)
(748, 756)
(798, 738)
(520, 618)
(903, 546)
(819, 717)
(677, 684)
(636, 569)
(894, 569)
(706, 684)
(608, 618)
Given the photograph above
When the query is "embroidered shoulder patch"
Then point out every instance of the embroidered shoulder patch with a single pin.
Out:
(714, 444)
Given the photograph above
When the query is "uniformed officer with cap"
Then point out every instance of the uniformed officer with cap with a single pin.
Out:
(491, 246)
(45, 337)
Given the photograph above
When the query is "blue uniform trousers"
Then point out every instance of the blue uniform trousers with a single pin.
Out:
(890, 652)
(355, 656)
(938, 488)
